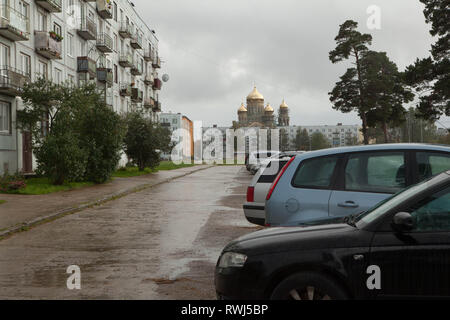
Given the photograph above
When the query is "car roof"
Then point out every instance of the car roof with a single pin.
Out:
(376, 147)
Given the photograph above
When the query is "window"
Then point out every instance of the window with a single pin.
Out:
(42, 69)
(116, 75)
(376, 172)
(57, 29)
(431, 164)
(315, 173)
(41, 23)
(115, 11)
(58, 76)
(24, 9)
(70, 47)
(25, 63)
(432, 213)
(271, 171)
(5, 117)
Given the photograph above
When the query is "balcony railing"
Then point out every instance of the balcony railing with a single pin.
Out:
(50, 5)
(125, 30)
(157, 107)
(137, 95)
(156, 63)
(105, 75)
(157, 84)
(87, 66)
(136, 41)
(126, 60)
(47, 46)
(104, 9)
(137, 69)
(88, 29)
(104, 43)
(12, 81)
(148, 56)
(149, 80)
(14, 25)
(125, 89)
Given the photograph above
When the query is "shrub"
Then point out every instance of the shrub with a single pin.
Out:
(12, 183)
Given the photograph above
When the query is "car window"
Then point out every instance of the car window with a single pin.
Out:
(376, 172)
(270, 173)
(315, 173)
(431, 164)
(432, 213)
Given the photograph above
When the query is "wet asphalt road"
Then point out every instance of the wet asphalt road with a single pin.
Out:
(161, 243)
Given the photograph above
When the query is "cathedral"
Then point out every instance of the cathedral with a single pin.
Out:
(256, 114)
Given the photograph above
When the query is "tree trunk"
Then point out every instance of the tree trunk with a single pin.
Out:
(385, 132)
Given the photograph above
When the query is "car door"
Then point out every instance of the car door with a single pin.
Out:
(366, 179)
(416, 264)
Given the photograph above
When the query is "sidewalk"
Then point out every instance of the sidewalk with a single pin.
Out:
(24, 211)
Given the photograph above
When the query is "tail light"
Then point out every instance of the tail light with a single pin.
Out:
(277, 179)
(251, 194)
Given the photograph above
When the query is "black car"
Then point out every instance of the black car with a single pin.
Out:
(399, 249)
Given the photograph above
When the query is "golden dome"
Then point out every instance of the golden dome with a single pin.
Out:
(268, 108)
(242, 108)
(255, 95)
(284, 105)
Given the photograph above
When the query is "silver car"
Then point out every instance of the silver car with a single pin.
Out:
(258, 188)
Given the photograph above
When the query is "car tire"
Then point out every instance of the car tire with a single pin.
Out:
(308, 286)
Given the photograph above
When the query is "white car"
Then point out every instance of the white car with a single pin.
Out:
(258, 189)
(265, 161)
(255, 158)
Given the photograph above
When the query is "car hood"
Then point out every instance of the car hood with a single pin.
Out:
(298, 238)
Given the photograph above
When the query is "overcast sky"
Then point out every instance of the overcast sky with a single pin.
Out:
(215, 50)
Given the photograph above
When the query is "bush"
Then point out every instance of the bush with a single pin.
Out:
(10, 183)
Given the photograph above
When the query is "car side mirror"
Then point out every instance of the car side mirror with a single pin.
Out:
(403, 222)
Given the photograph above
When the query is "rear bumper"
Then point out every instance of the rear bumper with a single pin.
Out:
(255, 213)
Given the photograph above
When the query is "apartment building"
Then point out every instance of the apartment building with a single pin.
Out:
(101, 41)
(175, 121)
(339, 135)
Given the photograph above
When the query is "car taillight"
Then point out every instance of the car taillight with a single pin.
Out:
(277, 179)
(251, 194)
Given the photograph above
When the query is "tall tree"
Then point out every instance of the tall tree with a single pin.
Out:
(431, 76)
(284, 140)
(348, 94)
(302, 141)
(319, 141)
(385, 90)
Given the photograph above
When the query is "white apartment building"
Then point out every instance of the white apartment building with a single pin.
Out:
(175, 121)
(339, 135)
(102, 41)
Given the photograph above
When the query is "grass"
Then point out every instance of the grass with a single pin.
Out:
(134, 172)
(2, 201)
(38, 186)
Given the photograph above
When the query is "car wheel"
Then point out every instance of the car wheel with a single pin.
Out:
(308, 286)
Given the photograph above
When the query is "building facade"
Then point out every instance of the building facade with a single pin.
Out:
(175, 121)
(100, 41)
(257, 114)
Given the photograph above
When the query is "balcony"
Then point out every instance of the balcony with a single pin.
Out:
(104, 9)
(137, 95)
(104, 43)
(126, 60)
(88, 29)
(136, 42)
(87, 66)
(47, 45)
(136, 70)
(148, 56)
(157, 107)
(14, 25)
(50, 5)
(149, 103)
(12, 81)
(105, 75)
(157, 84)
(125, 30)
(125, 89)
(156, 63)
(149, 80)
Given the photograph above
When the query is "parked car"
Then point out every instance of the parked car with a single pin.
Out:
(336, 183)
(258, 188)
(255, 157)
(264, 162)
(403, 243)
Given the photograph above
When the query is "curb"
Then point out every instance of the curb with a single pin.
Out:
(69, 211)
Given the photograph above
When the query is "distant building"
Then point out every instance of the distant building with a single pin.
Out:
(339, 135)
(255, 114)
(175, 121)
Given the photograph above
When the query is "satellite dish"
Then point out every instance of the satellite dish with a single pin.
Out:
(165, 78)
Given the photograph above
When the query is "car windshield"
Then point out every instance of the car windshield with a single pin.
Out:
(397, 199)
